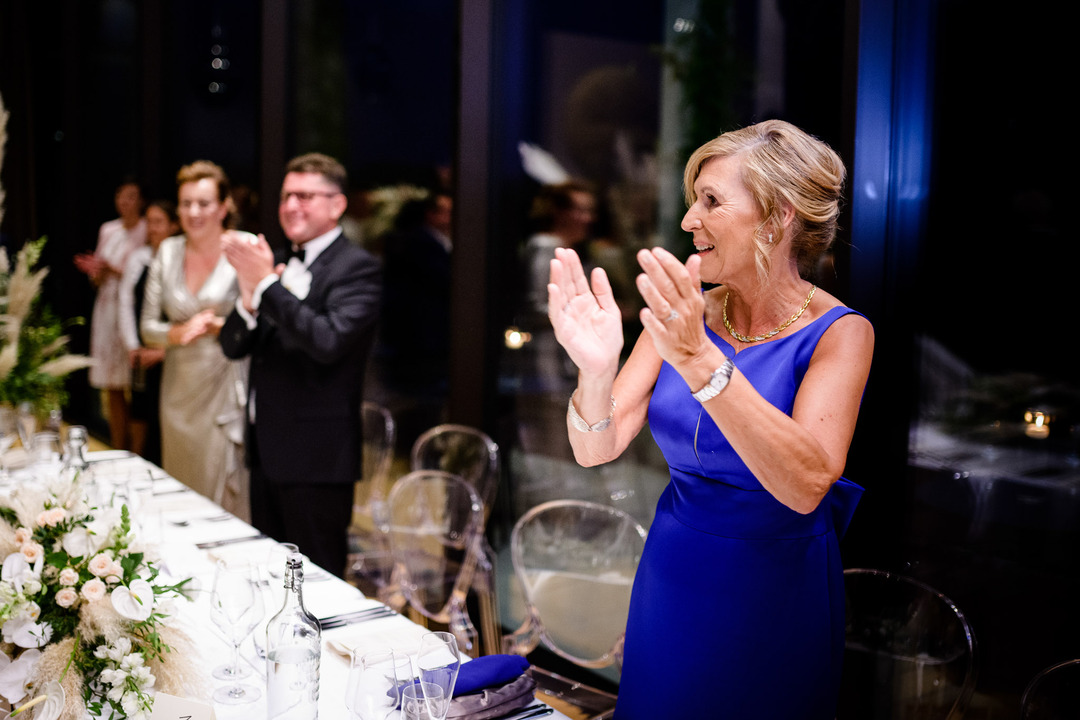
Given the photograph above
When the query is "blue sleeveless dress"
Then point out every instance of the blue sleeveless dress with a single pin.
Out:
(737, 610)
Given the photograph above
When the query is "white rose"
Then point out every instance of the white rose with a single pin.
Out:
(51, 517)
(32, 551)
(100, 565)
(66, 597)
(93, 590)
(69, 577)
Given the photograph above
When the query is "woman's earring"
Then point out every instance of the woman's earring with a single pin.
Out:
(770, 238)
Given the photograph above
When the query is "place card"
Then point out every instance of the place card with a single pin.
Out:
(170, 707)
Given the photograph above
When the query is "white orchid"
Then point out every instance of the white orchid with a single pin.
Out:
(17, 570)
(14, 673)
(24, 632)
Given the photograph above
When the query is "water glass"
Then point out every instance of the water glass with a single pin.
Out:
(45, 448)
(375, 682)
(439, 661)
(423, 701)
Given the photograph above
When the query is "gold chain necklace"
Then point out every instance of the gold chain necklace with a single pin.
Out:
(766, 336)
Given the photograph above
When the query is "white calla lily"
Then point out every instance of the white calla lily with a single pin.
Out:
(134, 602)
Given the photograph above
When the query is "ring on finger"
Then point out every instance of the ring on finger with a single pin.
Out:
(674, 315)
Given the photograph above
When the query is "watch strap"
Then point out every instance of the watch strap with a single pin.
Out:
(717, 382)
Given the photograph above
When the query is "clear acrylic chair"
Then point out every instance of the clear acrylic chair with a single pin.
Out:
(435, 525)
(1053, 694)
(370, 563)
(463, 451)
(575, 562)
(909, 650)
(474, 457)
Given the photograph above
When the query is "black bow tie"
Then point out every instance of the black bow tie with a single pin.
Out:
(295, 252)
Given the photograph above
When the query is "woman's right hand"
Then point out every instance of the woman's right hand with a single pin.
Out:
(587, 320)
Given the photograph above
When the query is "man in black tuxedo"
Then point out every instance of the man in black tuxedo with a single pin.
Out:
(307, 320)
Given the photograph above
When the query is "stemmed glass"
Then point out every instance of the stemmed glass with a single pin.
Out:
(236, 608)
(27, 424)
(438, 661)
(9, 432)
(375, 682)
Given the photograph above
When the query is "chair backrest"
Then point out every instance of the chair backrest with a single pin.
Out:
(377, 439)
(1053, 694)
(369, 559)
(463, 451)
(436, 520)
(909, 650)
(575, 561)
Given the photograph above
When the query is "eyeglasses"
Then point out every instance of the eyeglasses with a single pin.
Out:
(305, 197)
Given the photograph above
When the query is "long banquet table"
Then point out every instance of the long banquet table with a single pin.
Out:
(183, 519)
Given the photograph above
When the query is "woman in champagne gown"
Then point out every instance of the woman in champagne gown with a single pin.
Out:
(737, 609)
(190, 290)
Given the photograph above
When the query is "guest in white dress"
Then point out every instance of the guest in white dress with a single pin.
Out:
(190, 290)
(144, 428)
(117, 239)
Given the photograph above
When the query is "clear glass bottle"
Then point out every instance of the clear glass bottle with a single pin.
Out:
(293, 650)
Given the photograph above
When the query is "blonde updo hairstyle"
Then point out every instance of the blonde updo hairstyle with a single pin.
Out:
(201, 169)
(782, 167)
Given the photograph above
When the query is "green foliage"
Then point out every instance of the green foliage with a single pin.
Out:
(41, 338)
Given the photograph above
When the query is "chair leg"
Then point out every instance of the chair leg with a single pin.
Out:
(490, 631)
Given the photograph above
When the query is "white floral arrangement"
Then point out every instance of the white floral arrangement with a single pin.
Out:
(84, 611)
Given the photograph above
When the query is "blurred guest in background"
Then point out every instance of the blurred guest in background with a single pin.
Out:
(563, 216)
(190, 289)
(144, 429)
(307, 320)
(117, 239)
(416, 313)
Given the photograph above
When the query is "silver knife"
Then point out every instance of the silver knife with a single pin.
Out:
(229, 541)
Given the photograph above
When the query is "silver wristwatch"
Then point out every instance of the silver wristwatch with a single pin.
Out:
(717, 382)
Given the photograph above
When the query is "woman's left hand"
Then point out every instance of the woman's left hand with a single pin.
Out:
(675, 306)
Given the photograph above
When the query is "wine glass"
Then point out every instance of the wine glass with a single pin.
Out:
(9, 432)
(264, 596)
(26, 420)
(439, 661)
(374, 684)
(236, 609)
(423, 701)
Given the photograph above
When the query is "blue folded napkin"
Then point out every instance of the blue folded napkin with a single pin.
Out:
(487, 671)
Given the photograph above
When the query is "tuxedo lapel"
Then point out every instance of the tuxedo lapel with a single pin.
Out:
(321, 270)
